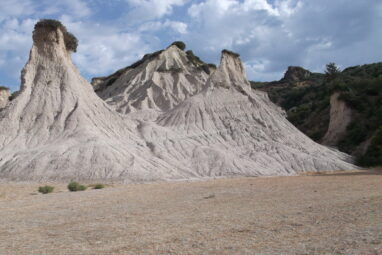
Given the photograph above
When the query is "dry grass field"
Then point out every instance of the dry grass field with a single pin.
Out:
(333, 213)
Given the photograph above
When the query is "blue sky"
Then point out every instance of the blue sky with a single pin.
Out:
(269, 35)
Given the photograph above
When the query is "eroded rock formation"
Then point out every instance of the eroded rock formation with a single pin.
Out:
(57, 128)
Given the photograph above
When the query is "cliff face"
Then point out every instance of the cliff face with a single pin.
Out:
(57, 128)
(340, 118)
(5, 93)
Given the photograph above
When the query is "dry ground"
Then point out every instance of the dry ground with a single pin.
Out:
(320, 214)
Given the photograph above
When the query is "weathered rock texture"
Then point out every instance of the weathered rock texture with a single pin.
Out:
(161, 81)
(340, 118)
(58, 128)
(4, 96)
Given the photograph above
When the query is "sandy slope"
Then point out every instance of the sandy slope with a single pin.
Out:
(321, 214)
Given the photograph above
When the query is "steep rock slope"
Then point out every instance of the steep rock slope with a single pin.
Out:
(158, 82)
(58, 128)
(227, 129)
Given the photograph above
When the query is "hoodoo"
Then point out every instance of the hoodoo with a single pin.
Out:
(204, 125)
(58, 128)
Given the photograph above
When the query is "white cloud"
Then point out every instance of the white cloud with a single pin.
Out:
(103, 49)
(285, 32)
(74, 8)
(15, 8)
(143, 10)
(177, 26)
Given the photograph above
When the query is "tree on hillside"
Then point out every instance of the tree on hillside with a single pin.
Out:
(331, 71)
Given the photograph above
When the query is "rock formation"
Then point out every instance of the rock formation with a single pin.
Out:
(158, 82)
(57, 128)
(4, 96)
(296, 73)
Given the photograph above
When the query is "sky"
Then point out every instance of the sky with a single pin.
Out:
(270, 35)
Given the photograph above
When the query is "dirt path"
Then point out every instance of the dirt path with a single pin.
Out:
(322, 214)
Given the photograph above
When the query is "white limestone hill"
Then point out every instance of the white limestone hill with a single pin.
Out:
(229, 129)
(158, 82)
(57, 128)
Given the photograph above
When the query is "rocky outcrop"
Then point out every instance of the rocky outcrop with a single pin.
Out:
(340, 118)
(296, 74)
(5, 94)
(57, 128)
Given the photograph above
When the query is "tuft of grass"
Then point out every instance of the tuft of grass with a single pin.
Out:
(46, 189)
(99, 186)
(75, 186)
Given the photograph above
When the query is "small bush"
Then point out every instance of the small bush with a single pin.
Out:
(71, 42)
(99, 186)
(75, 186)
(45, 189)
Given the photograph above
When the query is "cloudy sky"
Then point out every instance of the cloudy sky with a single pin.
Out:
(269, 35)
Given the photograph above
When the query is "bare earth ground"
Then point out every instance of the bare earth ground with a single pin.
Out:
(319, 214)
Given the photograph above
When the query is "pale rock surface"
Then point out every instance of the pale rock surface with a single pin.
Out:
(229, 129)
(162, 81)
(340, 118)
(4, 96)
(57, 128)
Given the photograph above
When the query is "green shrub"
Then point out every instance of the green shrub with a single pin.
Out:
(181, 45)
(99, 186)
(75, 186)
(71, 42)
(45, 189)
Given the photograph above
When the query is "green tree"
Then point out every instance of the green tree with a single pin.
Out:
(332, 71)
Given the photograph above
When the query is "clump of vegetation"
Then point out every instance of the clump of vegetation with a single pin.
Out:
(71, 42)
(45, 189)
(75, 186)
(98, 186)
(3, 88)
(181, 45)
(231, 53)
(332, 71)
(196, 61)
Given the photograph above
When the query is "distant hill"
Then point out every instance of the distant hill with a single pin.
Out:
(307, 97)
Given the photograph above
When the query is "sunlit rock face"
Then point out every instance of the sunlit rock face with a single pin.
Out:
(203, 125)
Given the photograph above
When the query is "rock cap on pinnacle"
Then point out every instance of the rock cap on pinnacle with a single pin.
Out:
(46, 31)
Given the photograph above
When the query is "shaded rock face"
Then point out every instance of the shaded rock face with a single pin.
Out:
(296, 74)
(57, 128)
(5, 93)
(340, 118)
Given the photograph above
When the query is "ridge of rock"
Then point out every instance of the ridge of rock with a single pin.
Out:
(157, 82)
